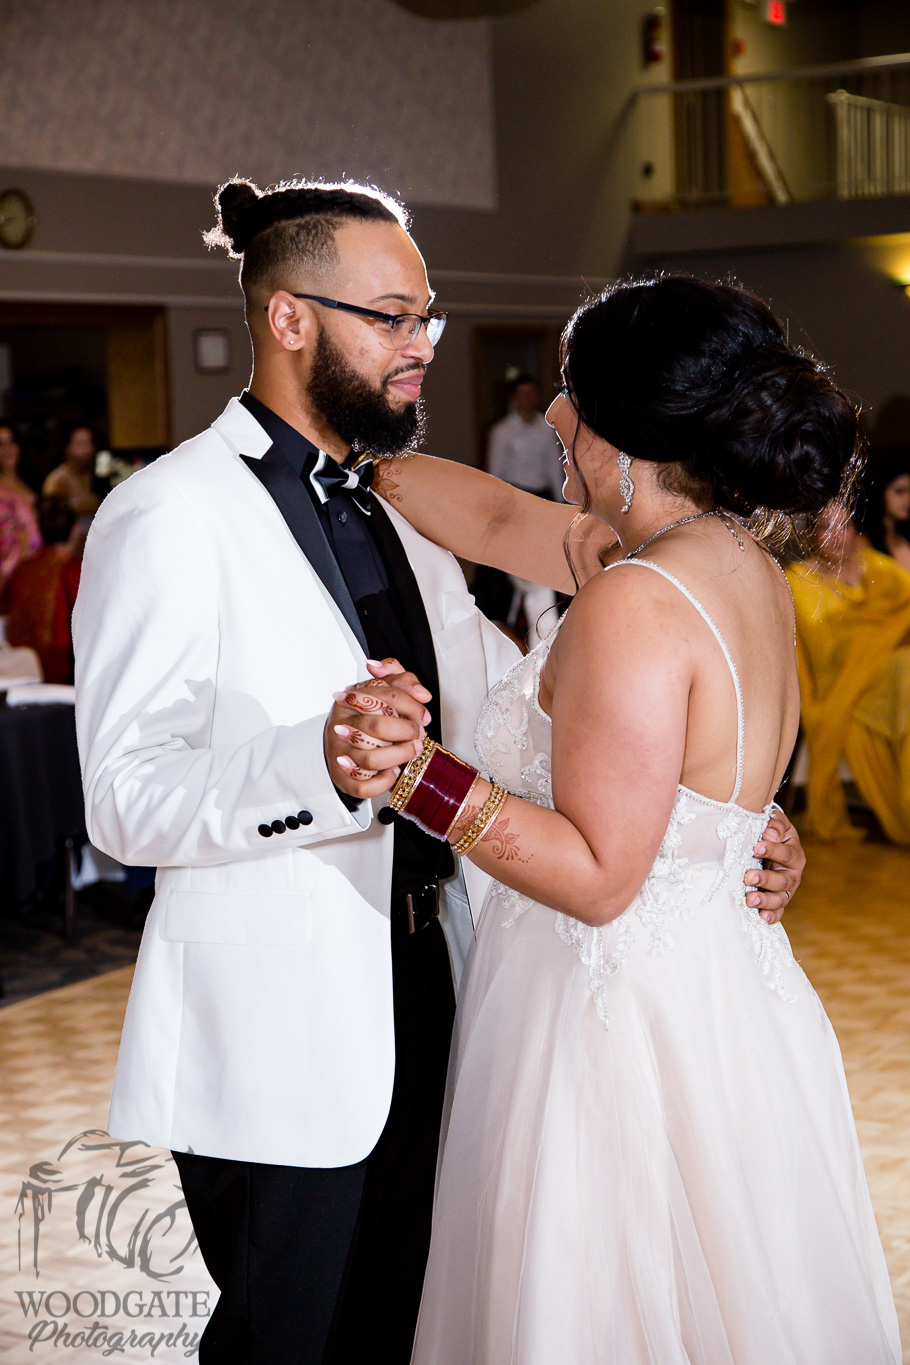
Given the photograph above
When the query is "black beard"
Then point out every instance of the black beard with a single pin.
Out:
(358, 414)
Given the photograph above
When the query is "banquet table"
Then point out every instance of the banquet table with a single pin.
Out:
(41, 804)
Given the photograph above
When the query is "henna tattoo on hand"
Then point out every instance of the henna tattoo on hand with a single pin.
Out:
(369, 704)
(358, 740)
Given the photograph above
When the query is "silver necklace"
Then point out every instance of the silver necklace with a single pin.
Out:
(684, 521)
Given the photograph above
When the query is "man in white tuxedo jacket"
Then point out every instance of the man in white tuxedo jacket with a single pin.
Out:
(213, 626)
(289, 1022)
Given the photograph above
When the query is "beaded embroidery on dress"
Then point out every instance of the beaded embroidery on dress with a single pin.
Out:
(683, 1187)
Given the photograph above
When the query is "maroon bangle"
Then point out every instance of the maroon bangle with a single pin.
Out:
(440, 793)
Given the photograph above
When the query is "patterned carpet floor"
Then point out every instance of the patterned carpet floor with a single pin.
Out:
(35, 957)
(850, 927)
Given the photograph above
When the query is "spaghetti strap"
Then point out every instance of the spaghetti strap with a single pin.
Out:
(740, 711)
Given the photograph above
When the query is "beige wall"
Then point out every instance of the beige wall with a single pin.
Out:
(841, 301)
(816, 31)
(197, 399)
(166, 89)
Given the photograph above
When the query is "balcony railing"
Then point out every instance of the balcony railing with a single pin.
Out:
(840, 131)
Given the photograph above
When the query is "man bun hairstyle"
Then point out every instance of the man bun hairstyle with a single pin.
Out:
(701, 379)
(288, 232)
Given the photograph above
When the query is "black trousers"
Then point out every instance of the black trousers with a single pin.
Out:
(325, 1267)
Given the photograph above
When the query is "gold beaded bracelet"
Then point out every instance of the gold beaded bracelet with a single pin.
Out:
(460, 811)
(411, 775)
(482, 821)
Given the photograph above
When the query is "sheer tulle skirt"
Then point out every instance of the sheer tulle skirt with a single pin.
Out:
(683, 1188)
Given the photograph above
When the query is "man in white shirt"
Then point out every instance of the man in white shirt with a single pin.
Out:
(522, 448)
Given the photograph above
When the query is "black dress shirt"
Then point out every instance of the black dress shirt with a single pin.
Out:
(364, 547)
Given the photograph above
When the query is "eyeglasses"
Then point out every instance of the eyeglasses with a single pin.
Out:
(403, 328)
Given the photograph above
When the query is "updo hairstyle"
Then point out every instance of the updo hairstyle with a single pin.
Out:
(700, 379)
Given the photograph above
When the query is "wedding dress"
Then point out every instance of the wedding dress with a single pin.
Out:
(650, 1155)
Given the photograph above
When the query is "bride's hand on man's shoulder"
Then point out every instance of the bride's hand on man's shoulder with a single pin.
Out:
(374, 728)
(772, 887)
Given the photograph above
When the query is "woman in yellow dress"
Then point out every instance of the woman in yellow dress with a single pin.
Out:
(853, 650)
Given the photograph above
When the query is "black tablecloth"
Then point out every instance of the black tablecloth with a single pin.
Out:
(40, 793)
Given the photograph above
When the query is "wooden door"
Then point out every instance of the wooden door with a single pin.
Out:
(137, 381)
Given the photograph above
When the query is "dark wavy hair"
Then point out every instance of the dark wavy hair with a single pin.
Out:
(290, 229)
(700, 379)
(885, 464)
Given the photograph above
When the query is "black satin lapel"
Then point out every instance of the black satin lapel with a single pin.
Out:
(410, 605)
(293, 502)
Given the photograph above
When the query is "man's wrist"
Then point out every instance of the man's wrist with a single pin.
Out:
(350, 803)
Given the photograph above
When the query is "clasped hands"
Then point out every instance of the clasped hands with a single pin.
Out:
(377, 726)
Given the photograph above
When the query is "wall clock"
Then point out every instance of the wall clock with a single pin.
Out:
(17, 219)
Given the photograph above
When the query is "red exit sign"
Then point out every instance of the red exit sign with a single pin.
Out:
(776, 12)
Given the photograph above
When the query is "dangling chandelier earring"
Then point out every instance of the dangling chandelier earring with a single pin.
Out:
(626, 486)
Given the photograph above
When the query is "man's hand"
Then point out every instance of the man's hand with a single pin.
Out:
(784, 861)
(374, 729)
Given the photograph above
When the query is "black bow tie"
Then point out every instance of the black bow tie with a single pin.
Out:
(328, 478)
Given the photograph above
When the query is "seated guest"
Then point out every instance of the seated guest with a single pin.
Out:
(853, 650)
(11, 480)
(19, 534)
(885, 511)
(74, 478)
(42, 593)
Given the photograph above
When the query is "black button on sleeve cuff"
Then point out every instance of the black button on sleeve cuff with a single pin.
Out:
(265, 831)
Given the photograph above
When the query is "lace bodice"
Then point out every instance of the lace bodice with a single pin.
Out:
(707, 848)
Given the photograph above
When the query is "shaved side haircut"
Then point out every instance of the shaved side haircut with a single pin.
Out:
(288, 232)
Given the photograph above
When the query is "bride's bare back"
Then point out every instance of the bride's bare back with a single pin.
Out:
(746, 595)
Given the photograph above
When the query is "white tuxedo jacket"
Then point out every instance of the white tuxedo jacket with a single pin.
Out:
(259, 1025)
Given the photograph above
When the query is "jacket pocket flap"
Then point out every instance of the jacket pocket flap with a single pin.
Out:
(214, 917)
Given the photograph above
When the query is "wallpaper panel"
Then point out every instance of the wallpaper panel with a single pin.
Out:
(199, 90)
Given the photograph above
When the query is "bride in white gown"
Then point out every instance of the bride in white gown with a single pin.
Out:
(649, 1156)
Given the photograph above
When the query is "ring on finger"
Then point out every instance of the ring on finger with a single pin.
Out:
(787, 894)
